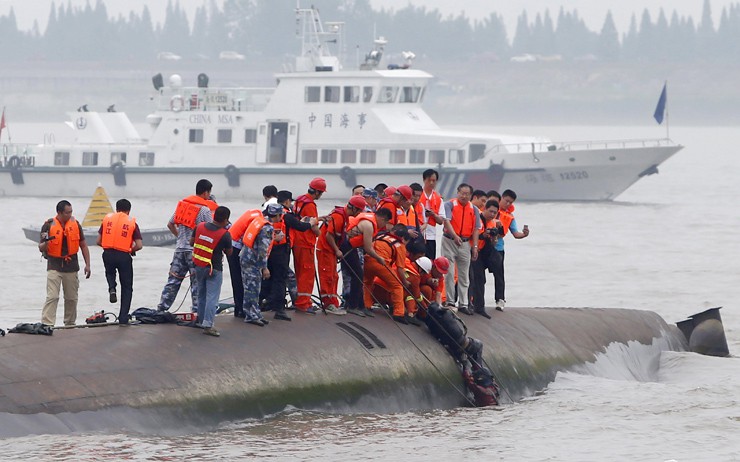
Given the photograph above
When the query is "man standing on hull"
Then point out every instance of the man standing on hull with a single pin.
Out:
(120, 237)
(304, 245)
(506, 216)
(431, 203)
(190, 212)
(61, 238)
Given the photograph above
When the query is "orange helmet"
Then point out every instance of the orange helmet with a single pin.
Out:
(442, 264)
(406, 192)
(318, 184)
(357, 202)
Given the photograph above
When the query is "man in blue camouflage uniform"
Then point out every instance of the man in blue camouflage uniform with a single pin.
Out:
(253, 260)
(182, 261)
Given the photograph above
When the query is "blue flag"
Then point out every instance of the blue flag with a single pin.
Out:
(660, 108)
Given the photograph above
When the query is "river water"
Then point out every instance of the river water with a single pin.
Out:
(669, 244)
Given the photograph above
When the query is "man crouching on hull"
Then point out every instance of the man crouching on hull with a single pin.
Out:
(451, 332)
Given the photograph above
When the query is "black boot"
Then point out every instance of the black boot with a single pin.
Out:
(282, 315)
(482, 312)
(400, 319)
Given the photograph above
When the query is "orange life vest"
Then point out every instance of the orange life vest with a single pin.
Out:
(205, 243)
(359, 240)
(118, 231)
(253, 230)
(411, 267)
(491, 224)
(463, 219)
(187, 210)
(239, 227)
(432, 203)
(392, 242)
(339, 234)
(506, 217)
(305, 238)
(280, 227)
(70, 232)
(390, 204)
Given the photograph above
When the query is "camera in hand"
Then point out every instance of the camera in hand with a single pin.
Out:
(49, 238)
(496, 231)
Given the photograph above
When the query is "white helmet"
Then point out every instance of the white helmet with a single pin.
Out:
(425, 263)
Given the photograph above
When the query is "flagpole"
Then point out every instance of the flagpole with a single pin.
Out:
(667, 119)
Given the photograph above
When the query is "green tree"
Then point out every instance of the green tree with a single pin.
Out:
(608, 48)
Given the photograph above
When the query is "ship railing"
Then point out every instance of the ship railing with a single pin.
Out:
(215, 99)
(545, 146)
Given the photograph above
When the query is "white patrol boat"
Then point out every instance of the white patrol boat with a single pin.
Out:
(348, 126)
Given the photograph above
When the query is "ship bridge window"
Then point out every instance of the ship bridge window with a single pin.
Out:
(61, 158)
(313, 94)
(195, 135)
(331, 94)
(416, 156)
(457, 156)
(351, 94)
(477, 151)
(309, 156)
(436, 156)
(116, 157)
(410, 95)
(146, 159)
(348, 156)
(367, 156)
(89, 158)
(224, 135)
(367, 94)
(328, 156)
(250, 136)
(387, 94)
(397, 156)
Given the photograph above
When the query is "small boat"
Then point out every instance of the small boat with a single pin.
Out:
(350, 126)
(99, 207)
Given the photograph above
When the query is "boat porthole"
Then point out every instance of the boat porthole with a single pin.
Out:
(612, 158)
(572, 159)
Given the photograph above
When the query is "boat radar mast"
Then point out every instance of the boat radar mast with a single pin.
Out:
(315, 39)
(372, 59)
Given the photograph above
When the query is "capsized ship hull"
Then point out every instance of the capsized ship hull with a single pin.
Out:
(339, 364)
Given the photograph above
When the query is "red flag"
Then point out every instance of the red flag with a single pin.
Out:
(2, 122)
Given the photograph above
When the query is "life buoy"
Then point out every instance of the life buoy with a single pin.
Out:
(348, 176)
(14, 162)
(177, 103)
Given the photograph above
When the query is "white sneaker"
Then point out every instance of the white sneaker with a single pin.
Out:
(333, 309)
(500, 305)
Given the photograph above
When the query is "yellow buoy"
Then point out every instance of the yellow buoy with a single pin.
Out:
(98, 209)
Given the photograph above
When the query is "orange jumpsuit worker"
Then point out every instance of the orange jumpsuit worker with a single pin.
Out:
(304, 244)
(333, 234)
(390, 273)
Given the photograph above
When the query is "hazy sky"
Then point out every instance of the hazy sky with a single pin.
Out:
(592, 11)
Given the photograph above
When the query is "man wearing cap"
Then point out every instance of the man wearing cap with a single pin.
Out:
(397, 201)
(371, 199)
(460, 243)
(304, 244)
(328, 252)
(278, 263)
(258, 240)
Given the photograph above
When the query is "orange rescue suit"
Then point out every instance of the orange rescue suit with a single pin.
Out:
(303, 252)
(394, 254)
(118, 231)
(327, 259)
(70, 232)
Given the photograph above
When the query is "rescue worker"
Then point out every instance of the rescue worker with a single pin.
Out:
(210, 240)
(360, 232)
(460, 243)
(431, 203)
(414, 217)
(61, 238)
(481, 383)
(371, 199)
(278, 263)
(491, 229)
(236, 231)
(120, 237)
(388, 269)
(190, 212)
(452, 333)
(397, 200)
(269, 194)
(506, 215)
(415, 249)
(432, 284)
(304, 244)
(328, 252)
(258, 240)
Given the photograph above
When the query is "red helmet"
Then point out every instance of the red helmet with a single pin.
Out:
(318, 184)
(442, 264)
(406, 192)
(389, 191)
(358, 202)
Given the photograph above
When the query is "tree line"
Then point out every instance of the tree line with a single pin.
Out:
(265, 28)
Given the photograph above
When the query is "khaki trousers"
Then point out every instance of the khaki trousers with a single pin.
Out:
(460, 256)
(70, 283)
